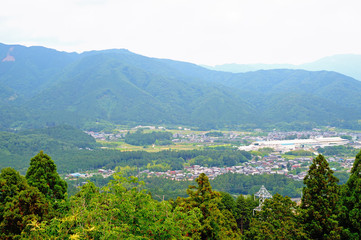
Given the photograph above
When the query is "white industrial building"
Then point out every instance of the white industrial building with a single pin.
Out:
(289, 145)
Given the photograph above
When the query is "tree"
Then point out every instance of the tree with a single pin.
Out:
(277, 220)
(27, 206)
(320, 201)
(19, 204)
(244, 210)
(215, 224)
(227, 202)
(11, 184)
(351, 201)
(43, 175)
(120, 210)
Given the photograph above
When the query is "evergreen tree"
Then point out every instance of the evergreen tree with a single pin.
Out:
(351, 201)
(244, 211)
(320, 201)
(277, 220)
(227, 202)
(215, 224)
(19, 204)
(11, 184)
(43, 175)
(29, 205)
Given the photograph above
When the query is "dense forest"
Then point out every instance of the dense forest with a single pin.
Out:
(16, 148)
(36, 206)
(142, 139)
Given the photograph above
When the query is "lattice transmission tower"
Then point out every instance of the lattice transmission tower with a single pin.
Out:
(262, 194)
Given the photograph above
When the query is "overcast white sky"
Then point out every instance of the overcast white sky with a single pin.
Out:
(198, 31)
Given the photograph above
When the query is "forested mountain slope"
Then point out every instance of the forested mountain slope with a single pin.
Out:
(41, 86)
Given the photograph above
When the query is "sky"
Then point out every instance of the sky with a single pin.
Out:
(199, 31)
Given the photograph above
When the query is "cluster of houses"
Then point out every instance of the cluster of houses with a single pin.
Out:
(102, 172)
(180, 137)
(269, 165)
(272, 164)
(194, 137)
(105, 136)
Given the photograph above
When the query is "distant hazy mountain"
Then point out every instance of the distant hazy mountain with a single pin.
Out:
(40, 86)
(347, 64)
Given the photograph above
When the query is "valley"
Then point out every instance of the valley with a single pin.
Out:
(156, 120)
(114, 119)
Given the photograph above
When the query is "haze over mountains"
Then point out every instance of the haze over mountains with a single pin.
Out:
(347, 64)
(41, 87)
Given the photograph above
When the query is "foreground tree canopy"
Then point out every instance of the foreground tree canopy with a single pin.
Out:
(43, 175)
(37, 207)
(320, 201)
(351, 202)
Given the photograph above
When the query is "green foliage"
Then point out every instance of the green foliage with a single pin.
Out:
(51, 139)
(140, 139)
(249, 184)
(227, 202)
(320, 201)
(42, 174)
(161, 187)
(127, 171)
(19, 204)
(215, 224)
(17, 148)
(11, 184)
(76, 159)
(244, 211)
(338, 150)
(351, 201)
(161, 167)
(277, 220)
(98, 126)
(218, 158)
(263, 151)
(300, 153)
(234, 184)
(27, 206)
(116, 86)
(66, 134)
(121, 210)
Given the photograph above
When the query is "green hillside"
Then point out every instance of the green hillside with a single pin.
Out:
(44, 87)
(33, 68)
(17, 148)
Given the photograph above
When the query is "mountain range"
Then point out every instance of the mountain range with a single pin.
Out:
(44, 87)
(347, 64)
